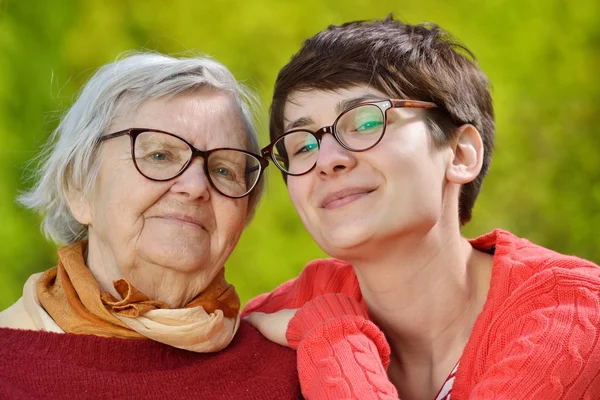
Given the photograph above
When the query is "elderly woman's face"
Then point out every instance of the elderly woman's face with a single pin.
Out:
(172, 235)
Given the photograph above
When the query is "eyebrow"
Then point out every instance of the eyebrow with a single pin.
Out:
(339, 108)
(297, 123)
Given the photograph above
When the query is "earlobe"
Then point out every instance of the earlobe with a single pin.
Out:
(79, 206)
(467, 156)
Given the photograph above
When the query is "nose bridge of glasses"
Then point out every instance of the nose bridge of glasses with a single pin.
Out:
(334, 143)
(326, 129)
(194, 154)
(201, 154)
(335, 135)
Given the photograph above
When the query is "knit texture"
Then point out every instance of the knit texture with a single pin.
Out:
(537, 337)
(38, 364)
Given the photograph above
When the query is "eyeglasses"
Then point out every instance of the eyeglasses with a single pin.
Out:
(161, 156)
(357, 129)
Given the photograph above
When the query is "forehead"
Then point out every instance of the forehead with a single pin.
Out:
(310, 103)
(206, 118)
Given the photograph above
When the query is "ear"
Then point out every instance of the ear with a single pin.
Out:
(79, 205)
(467, 156)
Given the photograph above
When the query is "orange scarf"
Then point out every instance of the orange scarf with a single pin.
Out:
(72, 297)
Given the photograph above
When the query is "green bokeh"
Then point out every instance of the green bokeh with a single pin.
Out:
(542, 57)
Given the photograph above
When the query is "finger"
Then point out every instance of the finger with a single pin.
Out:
(272, 326)
(254, 319)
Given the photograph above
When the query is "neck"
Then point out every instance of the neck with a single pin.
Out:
(425, 292)
(172, 287)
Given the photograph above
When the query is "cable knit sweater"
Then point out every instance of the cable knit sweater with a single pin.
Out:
(46, 365)
(537, 337)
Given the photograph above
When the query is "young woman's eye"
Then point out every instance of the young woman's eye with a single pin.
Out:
(369, 125)
(307, 148)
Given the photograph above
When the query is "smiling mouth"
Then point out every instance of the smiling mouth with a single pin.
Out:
(182, 220)
(338, 202)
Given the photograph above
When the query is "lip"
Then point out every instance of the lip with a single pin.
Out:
(342, 197)
(187, 219)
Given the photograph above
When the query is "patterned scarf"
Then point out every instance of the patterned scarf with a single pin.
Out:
(72, 297)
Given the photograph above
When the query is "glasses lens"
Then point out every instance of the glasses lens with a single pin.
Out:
(296, 152)
(233, 172)
(160, 156)
(361, 128)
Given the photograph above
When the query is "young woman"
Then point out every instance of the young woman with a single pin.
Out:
(384, 132)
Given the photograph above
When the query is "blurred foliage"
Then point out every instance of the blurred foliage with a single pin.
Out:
(542, 56)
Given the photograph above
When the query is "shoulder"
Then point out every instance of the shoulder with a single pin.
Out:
(555, 290)
(16, 317)
(520, 264)
(329, 274)
(536, 289)
(511, 248)
(250, 347)
(541, 318)
(27, 312)
(533, 288)
(252, 358)
(249, 342)
(317, 278)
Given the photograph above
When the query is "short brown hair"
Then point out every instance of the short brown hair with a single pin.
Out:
(418, 62)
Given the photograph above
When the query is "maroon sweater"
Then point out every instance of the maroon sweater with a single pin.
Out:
(37, 364)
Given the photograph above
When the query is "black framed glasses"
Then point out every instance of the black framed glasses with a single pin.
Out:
(359, 128)
(161, 156)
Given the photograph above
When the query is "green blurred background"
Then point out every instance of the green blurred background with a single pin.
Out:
(542, 56)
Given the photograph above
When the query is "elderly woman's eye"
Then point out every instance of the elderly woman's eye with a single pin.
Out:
(223, 172)
(159, 156)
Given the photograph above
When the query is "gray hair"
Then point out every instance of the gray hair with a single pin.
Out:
(69, 159)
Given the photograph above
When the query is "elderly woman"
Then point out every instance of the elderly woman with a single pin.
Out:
(384, 133)
(152, 178)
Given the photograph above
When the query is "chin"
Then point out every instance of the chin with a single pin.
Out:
(343, 240)
(182, 254)
(362, 237)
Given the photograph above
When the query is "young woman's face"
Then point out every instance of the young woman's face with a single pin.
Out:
(351, 199)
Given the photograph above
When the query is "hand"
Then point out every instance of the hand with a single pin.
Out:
(273, 326)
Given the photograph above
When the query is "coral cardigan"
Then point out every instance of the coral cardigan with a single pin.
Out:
(537, 337)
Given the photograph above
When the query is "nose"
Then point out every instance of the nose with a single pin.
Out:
(333, 159)
(193, 184)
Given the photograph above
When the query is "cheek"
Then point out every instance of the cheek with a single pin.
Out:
(297, 190)
(231, 215)
(300, 196)
(124, 197)
(427, 183)
(241, 210)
